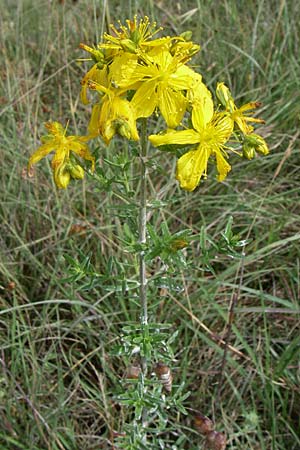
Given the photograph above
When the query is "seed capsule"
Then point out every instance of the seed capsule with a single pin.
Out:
(164, 374)
(216, 441)
(203, 424)
(76, 171)
(133, 372)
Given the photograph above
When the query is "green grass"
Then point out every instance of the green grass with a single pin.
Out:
(58, 378)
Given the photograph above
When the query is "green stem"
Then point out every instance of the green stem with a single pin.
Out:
(142, 224)
(142, 240)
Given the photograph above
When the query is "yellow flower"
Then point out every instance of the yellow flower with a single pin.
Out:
(210, 133)
(62, 163)
(237, 114)
(160, 81)
(113, 115)
(135, 37)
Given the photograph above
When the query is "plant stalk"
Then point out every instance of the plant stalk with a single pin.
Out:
(142, 240)
(142, 225)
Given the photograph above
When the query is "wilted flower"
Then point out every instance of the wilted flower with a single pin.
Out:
(62, 164)
(112, 115)
(237, 114)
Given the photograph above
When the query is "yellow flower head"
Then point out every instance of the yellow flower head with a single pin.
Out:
(160, 81)
(62, 163)
(134, 37)
(237, 114)
(210, 133)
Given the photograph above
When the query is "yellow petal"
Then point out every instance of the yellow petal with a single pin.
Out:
(202, 103)
(222, 166)
(249, 106)
(99, 76)
(83, 151)
(60, 156)
(133, 129)
(172, 105)
(242, 124)
(93, 126)
(159, 42)
(163, 59)
(220, 128)
(175, 137)
(40, 153)
(224, 94)
(202, 113)
(191, 166)
(55, 128)
(145, 99)
(182, 79)
(84, 83)
(123, 70)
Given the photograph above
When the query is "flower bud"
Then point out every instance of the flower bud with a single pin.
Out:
(97, 55)
(203, 424)
(216, 441)
(254, 143)
(61, 176)
(223, 94)
(123, 129)
(164, 374)
(261, 145)
(248, 151)
(133, 372)
(76, 171)
(187, 35)
(128, 45)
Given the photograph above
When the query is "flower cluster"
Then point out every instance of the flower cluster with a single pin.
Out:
(134, 75)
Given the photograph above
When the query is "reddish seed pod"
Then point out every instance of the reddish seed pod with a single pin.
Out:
(216, 441)
(11, 286)
(164, 374)
(203, 424)
(133, 372)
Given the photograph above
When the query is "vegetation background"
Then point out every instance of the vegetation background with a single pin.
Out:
(57, 377)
